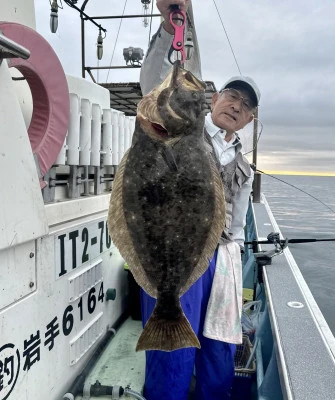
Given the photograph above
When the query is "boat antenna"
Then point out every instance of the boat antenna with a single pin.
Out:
(295, 187)
(117, 36)
(225, 31)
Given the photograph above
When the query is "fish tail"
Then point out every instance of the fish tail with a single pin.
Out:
(167, 335)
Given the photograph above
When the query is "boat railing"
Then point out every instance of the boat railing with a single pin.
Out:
(294, 342)
(95, 143)
(11, 49)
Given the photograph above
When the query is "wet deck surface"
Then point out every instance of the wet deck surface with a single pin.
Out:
(120, 364)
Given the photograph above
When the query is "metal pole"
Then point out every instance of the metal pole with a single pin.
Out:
(11, 49)
(83, 38)
(114, 67)
(82, 48)
(82, 14)
(126, 16)
(254, 153)
(256, 186)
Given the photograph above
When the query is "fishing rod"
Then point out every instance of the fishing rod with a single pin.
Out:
(295, 187)
(290, 241)
(280, 245)
(264, 257)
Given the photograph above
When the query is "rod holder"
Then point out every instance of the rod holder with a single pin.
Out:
(11, 49)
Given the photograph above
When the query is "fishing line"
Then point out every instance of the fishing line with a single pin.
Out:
(152, 9)
(231, 47)
(295, 187)
(117, 36)
(259, 136)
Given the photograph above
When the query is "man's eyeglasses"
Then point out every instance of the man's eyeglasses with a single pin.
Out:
(234, 95)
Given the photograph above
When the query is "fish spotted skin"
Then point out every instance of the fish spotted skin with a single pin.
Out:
(167, 205)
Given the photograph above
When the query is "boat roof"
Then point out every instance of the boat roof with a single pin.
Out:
(124, 97)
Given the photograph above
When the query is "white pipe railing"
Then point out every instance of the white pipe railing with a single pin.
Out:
(61, 158)
(121, 135)
(85, 132)
(93, 132)
(107, 143)
(73, 131)
(96, 135)
(126, 134)
(115, 137)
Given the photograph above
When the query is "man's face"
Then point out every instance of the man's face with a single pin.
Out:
(228, 112)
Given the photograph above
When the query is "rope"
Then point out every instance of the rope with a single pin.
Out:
(231, 47)
(117, 36)
(295, 187)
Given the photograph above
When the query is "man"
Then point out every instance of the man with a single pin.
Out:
(220, 288)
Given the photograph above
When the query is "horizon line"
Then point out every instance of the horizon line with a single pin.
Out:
(279, 172)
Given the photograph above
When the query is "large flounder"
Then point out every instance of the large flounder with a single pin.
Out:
(167, 207)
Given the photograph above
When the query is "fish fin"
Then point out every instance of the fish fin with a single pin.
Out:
(168, 157)
(117, 227)
(214, 235)
(166, 335)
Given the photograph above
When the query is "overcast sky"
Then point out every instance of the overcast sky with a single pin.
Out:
(287, 47)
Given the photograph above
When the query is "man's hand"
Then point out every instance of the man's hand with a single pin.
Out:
(164, 8)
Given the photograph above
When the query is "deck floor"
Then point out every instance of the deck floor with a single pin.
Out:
(120, 364)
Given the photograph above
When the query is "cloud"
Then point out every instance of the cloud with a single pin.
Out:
(286, 46)
(293, 160)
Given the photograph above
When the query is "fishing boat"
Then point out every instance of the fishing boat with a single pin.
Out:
(69, 318)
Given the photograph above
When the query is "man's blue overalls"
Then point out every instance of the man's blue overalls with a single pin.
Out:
(168, 374)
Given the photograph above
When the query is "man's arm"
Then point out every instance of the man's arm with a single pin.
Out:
(156, 64)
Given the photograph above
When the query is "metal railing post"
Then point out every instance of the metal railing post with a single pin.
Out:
(256, 186)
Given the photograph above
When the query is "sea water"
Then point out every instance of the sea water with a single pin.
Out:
(300, 216)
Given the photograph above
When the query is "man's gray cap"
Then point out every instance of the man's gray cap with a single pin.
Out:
(244, 82)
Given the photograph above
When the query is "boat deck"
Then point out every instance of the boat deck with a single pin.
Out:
(119, 364)
(304, 344)
(294, 350)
